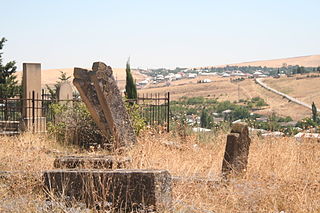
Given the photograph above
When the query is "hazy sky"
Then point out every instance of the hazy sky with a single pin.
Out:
(164, 33)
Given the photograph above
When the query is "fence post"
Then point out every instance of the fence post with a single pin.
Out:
(6, 111)
(33, 109)
(168, 115)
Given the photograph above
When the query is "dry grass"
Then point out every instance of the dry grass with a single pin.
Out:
(22, 160)
(282, 174)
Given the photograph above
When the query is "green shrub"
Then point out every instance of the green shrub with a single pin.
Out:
(137, 121)
(306, 123)
(74, 125)
(195, 100)
(286, 119)
(240, 112)
(222, 106)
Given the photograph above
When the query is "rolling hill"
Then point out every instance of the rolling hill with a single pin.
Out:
(306, 61)
(51, 76)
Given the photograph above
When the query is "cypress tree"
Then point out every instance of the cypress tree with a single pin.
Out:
(131, 89)
(8, 83)
(205, 119)
(314, 112)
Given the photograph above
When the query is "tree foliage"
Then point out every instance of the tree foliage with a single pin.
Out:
(205, 119)
(131, 89)
(314, 112)
(8, 83)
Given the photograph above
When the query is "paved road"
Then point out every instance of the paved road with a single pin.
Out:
(259, 81)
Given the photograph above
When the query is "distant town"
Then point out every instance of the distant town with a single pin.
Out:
(166, 76)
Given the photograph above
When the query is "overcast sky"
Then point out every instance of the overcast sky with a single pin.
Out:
(164, 33)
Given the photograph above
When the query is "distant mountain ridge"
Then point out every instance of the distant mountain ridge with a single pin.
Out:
(306, 61)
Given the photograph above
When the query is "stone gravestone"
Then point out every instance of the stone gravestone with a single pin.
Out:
(237, 150)
(65, 93)
(32, 111)
(98, 89)
(115, 190)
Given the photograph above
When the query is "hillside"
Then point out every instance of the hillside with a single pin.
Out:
(50, 76)
(305, 89)
(306, 61)
(223, 89)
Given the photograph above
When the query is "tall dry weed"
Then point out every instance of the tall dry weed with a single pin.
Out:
(282, 174)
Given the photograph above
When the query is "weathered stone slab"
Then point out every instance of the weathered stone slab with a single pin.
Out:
(90, 98)
(65, 93)
(116, 190)
(91, 162)
(237, 149)
(99, 91)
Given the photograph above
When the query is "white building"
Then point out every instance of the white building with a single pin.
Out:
(178, 76)
(192, 75)
(225, 75)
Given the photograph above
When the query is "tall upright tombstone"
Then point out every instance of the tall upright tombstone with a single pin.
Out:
(31, 109)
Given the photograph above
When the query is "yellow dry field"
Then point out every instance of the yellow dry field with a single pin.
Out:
(282, 175)
(223, 89)
(306, 61)
(306, 90)
(51, 76)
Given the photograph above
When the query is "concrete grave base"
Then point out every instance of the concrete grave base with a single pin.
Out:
(91, 162)
(115, 190)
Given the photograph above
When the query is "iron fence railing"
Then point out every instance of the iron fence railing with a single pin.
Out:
(36, 110)
(155, 109)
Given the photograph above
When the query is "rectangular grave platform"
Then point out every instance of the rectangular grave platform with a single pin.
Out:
(91, 162)
(115, 190)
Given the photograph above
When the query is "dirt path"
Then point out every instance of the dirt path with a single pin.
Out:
(294, 100)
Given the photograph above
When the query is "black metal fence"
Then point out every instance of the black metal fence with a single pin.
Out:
(30, 113)
(34, 112)
(155, 109)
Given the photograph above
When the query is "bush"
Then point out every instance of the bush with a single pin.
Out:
(240, 112)
(222, 106)
(286, 119)
(74, 125)
(306, 123)
(195, 100)
(137, 121)
(256, 102)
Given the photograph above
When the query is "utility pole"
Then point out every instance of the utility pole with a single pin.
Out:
(238, 92)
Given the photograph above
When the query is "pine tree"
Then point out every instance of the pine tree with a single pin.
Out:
(131, 89)
(314, 112)
(8, 83)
